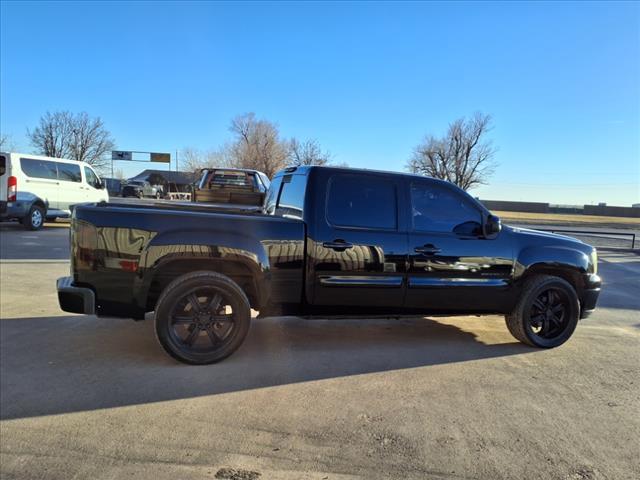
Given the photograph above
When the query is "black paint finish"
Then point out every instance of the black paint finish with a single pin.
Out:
(294, 258)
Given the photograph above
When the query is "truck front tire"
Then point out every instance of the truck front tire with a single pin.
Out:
(547, 312)
(202, 317)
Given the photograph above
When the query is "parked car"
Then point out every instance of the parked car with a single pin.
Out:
(114, 186)
(34, 188)
(231, 186)
(328, 241)
(141, 188)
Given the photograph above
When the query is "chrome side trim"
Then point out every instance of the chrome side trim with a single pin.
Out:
(360, 281)
(419, 282)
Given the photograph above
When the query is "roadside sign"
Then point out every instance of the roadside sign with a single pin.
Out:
(121, 155)
(161, 157)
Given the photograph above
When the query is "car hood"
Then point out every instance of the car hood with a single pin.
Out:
(560, 240)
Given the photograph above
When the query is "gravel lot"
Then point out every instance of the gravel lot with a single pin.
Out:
(453, 398)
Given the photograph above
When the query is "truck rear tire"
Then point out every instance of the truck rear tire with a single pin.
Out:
(34, 220)
(202, 317)
(546, 314)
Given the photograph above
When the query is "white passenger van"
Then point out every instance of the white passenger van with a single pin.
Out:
(34, 188)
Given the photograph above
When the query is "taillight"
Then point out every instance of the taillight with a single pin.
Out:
(12, 189)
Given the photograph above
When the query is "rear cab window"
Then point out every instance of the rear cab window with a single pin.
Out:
(291, 197)
(363, 202)
(220, 178)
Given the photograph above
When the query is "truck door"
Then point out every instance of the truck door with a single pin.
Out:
(358, 251)
(451, 264)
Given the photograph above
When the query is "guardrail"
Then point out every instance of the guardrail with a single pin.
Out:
(592, 232)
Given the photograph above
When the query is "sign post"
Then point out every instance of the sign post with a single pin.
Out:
(127, 156)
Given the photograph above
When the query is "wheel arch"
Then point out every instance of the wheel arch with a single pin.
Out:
(239, 272)
(239, 257)
(566, 263)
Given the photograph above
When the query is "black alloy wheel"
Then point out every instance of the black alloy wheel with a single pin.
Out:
(202, 317)
(548, 316)
(202, 320)
(547, 312)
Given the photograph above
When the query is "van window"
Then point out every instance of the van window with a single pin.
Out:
(69, 172)
(362, 202)
(3, 164)
(39, 168)
(291, 201)
(92, 178)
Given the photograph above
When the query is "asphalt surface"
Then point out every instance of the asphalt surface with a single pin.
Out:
(441, 398)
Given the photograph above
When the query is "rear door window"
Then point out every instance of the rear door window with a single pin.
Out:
(39, 168)
(3, 164)
(69, 172)
(362, 202)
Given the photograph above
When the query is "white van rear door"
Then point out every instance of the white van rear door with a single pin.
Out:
(4, 175)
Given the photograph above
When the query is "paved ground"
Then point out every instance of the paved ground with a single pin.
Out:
(453, 398)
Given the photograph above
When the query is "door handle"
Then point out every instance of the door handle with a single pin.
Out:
(338, 245)
(428, 249)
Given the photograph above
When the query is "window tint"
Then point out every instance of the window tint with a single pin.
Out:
(361, 201)
(291, 201)
(69, 172)
(3, 164)
(272, 196)
(92, 178)
(440, 209)
(39, 168)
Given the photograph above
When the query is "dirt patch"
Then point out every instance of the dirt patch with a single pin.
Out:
(236, 474)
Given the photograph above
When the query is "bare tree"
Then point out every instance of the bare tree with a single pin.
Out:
(90, 140)
(462, 156)
(193, 159)
(78, 137)
(7, 143)
(308, 152)
(257, 145)
(52, 136)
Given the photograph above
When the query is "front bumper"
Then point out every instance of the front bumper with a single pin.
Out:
(75, 299)
(592, 285)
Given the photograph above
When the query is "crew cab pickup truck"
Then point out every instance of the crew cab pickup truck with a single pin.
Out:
(327, 241)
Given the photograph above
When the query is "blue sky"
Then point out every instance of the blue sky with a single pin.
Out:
(367, 80)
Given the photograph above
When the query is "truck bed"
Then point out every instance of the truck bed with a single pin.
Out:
(126, 252)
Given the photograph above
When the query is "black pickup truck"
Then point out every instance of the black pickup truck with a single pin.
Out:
(327, 241)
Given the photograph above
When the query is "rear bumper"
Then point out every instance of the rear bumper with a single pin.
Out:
(592, 285)
(14, 209)
(75, 299)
